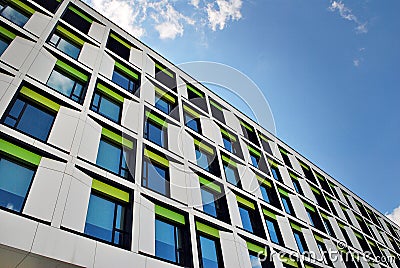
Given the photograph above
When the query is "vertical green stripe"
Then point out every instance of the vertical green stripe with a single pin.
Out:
(169, 214)
(117, 138)
(156, 158)
(127, 71)
(120, 40)
(81, 14)
(71, 71)
(40, 99)
(19, 152)
(201, 227)
(110, 190)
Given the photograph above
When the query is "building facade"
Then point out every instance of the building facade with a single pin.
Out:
(111, 156)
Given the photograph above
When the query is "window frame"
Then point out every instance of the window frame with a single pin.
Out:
(127, 220)
(23, 9)
(27, 101)
(218, 249)
(97, 110)
(23, 164)
(145, 181)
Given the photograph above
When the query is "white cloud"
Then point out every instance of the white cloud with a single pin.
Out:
(169, 22)
(195, 3)
(226, 10)
(356, 62)
(135, 16)
(347, 14)
(126, 14)
(394, 215)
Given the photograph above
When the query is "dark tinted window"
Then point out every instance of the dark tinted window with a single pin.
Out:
(78, 19)
(30, 119)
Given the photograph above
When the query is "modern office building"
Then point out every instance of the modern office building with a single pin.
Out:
(111, 156)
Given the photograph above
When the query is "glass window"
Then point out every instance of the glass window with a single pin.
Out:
(299, 241)
(209, 253)
(273, 230)
(124, 81)
(77, 18)
(276, 174)
(30, 119)
(246, 220)
(50, 5)
(4, 43)
(254, 160)
(15, 180)
(112, 157)
(106, 107)
(65, 45)
(163, 105)
(232, 175)
(265, 194)
(155, 133)
(202, 158)
(328, 227)
(118, 45)
(227, 143)
(297, 186)
(13, 14)
(155, 177)
(66, 85)
(286, 205)
(310, 217)
(168, 242)
(209, 202)
(105, 220)
(255, 260)
(193, 123)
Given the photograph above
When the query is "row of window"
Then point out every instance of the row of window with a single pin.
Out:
(36, 120)
(109, 217)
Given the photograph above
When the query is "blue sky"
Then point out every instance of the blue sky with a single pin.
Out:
(329, 70)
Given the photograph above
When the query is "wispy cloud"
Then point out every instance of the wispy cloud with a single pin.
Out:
(347, 14)
(136, 15)
(220, 12)
(394, 215)
(356, 62)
